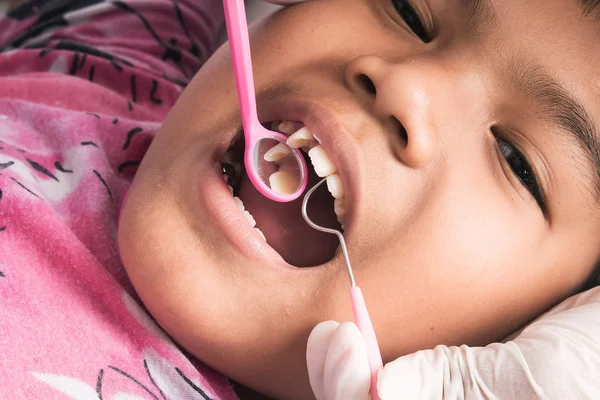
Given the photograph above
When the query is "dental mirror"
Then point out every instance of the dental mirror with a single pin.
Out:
(276, 170)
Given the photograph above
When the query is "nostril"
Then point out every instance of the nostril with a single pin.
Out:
(401, 130)
(403, 133)
(367, 83)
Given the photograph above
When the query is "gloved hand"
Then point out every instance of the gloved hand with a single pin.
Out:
(555, 357)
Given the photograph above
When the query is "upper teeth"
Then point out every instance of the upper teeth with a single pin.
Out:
(323, 166)
(320, 160)
(302, 138)
(285, 182)
(287, 127)
(277, 153)
(334, 184)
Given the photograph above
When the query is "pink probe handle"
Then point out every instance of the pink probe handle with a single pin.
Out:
(239, 44)
(363, 321)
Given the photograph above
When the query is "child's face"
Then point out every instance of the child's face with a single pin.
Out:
(448, 245)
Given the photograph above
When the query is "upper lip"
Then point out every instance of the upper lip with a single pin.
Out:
(333, 135)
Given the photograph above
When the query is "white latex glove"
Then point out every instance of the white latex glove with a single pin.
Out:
(555, 357)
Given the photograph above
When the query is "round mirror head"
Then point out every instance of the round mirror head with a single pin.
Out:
(278, 168)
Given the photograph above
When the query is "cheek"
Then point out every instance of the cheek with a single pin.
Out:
(479, 238)
(311, 35)
(445, 276)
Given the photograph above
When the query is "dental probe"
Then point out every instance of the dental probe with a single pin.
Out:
(359, 307)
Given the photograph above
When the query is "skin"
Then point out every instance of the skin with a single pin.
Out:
(447, 245)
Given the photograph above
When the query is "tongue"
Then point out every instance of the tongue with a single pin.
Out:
(285, 229)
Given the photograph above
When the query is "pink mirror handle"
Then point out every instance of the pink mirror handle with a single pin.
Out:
(239, 42)
(363, 321)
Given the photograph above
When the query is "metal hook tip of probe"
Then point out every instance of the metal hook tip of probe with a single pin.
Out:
(328, 230)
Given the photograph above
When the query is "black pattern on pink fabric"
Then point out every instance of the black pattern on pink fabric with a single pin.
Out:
(84, 86)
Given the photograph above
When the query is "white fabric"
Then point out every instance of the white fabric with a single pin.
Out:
(257, 9)
(555, 357)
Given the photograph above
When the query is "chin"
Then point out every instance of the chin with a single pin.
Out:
(207, 252)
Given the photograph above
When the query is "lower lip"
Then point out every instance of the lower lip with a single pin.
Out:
(223, 210)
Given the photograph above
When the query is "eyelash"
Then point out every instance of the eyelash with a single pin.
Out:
(407, 12)
(515, 159)
(522, 169)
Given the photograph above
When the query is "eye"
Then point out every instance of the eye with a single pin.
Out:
(411, 18)
(522, 170)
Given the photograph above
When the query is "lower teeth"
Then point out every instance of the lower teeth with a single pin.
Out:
(240, 205)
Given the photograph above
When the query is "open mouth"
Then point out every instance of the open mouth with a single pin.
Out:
(282, 224)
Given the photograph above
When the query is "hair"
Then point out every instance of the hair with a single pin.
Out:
(590, 6)
(594, 278)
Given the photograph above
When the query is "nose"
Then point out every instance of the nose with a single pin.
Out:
(398, 93)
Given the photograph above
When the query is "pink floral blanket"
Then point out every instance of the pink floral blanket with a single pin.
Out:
(84, 85)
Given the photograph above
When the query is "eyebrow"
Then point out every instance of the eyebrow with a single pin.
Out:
(563, 110)
(480, 15)
(590, 6)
